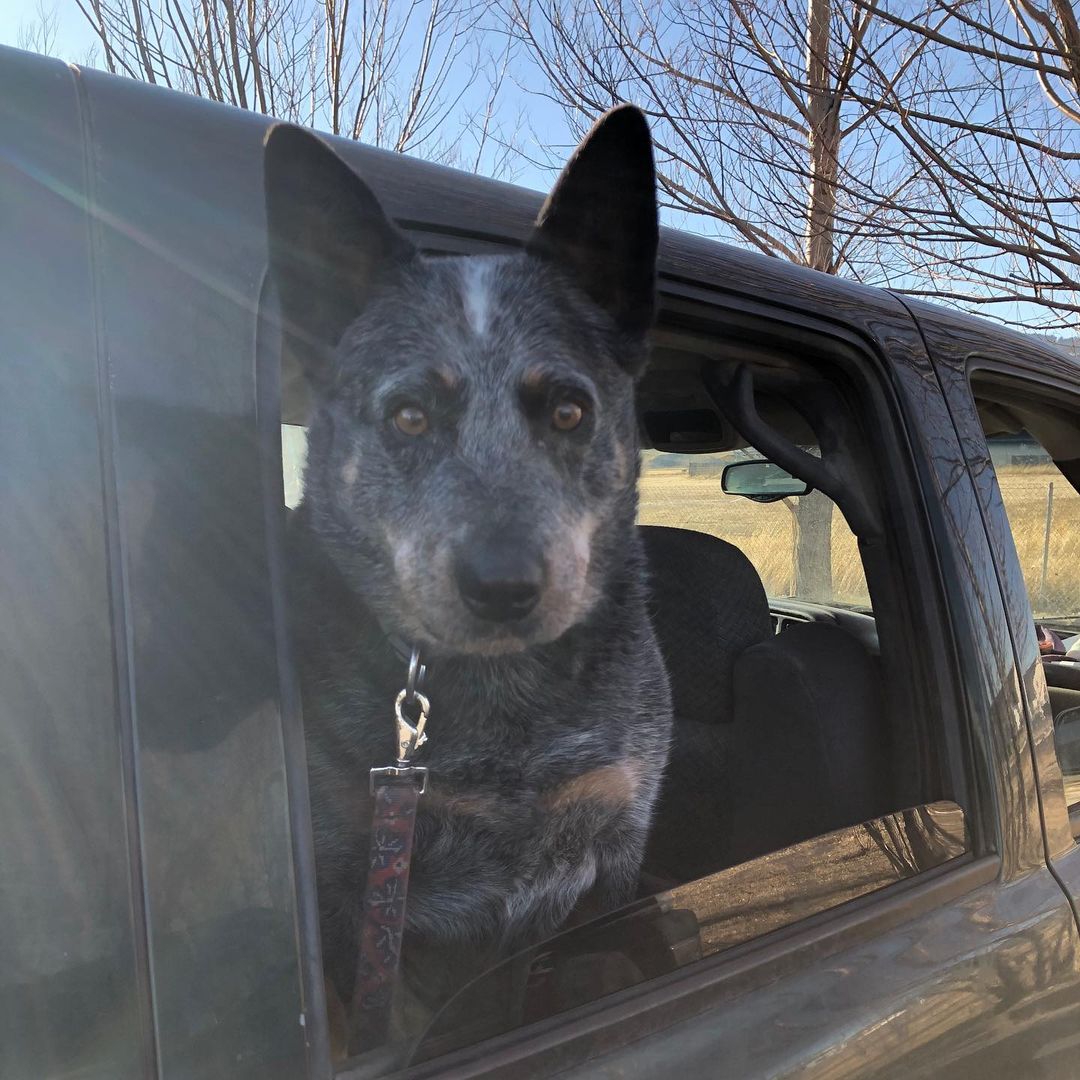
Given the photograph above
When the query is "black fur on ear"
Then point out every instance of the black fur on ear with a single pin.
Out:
(329, 242)
(600, 220)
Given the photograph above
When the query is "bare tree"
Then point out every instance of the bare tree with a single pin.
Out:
(757, 109)
(39, 34)
(932, 147)
(415, 77)
(993, 124)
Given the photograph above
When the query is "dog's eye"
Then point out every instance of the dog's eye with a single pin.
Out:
(567, 415)
(411, 420)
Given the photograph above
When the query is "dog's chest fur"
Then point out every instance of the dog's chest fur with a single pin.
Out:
(544, 767)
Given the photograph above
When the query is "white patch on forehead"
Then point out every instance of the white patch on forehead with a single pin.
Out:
(477, 278)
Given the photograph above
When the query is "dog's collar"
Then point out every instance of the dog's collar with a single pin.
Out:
(396, 642)
(410, 656)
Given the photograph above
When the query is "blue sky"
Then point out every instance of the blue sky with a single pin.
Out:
(74, 35)
(546, 126)
(75, 39)
(545, 122)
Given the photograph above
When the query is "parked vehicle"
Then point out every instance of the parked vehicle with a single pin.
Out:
(864, 861)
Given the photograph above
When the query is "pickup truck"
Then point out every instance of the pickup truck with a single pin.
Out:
(864, 860)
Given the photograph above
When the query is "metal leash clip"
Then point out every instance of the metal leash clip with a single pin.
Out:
(410, 734)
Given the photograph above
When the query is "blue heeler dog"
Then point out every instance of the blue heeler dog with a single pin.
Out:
(471, 488)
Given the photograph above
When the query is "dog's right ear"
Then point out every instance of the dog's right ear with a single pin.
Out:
(600, 220)
(329, 242)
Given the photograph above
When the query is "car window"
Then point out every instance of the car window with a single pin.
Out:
(801, 546)
(795, 782)
(1043, 510)
(293, 456)
(1044, 515)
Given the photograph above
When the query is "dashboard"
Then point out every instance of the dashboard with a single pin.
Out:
(786, 610)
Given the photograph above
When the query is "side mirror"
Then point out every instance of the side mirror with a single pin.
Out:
(762, 481)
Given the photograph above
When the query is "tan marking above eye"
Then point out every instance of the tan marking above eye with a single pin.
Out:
(534, 378)
(567, 415)
(411, 420)
(448, 377)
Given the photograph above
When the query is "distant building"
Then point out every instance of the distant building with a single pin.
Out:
(1017, 450)
(704, 467)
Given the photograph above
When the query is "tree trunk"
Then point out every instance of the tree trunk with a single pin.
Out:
(813, 515)
(823, 116)
(813, 547)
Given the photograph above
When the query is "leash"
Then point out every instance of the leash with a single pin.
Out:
(396, 790)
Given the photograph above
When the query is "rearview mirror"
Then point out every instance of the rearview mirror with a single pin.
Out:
(762, 481)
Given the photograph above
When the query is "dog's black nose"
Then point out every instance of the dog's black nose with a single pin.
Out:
(501, 579)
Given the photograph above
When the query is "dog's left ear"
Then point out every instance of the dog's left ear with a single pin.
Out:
(600, 220)
(329, 243)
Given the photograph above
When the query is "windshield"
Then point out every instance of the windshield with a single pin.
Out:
(801, 546)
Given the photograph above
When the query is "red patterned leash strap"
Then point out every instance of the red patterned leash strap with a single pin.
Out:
(396, 789)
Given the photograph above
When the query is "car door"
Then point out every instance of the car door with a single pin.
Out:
(1053, 382)
(147, 867)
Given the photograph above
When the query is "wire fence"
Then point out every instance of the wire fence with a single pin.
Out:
(1044, 513)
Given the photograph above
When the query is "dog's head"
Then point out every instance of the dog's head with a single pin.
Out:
(472, 454)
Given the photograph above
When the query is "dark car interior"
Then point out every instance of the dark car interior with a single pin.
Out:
(782, 724)
(778, 737)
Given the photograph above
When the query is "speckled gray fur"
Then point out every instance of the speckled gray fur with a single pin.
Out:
(547, 737)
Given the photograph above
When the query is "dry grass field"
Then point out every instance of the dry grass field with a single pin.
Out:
(1024, 490)
(763, 531)
(669, 496)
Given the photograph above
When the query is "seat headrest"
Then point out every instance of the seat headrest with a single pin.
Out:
(707, 605)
